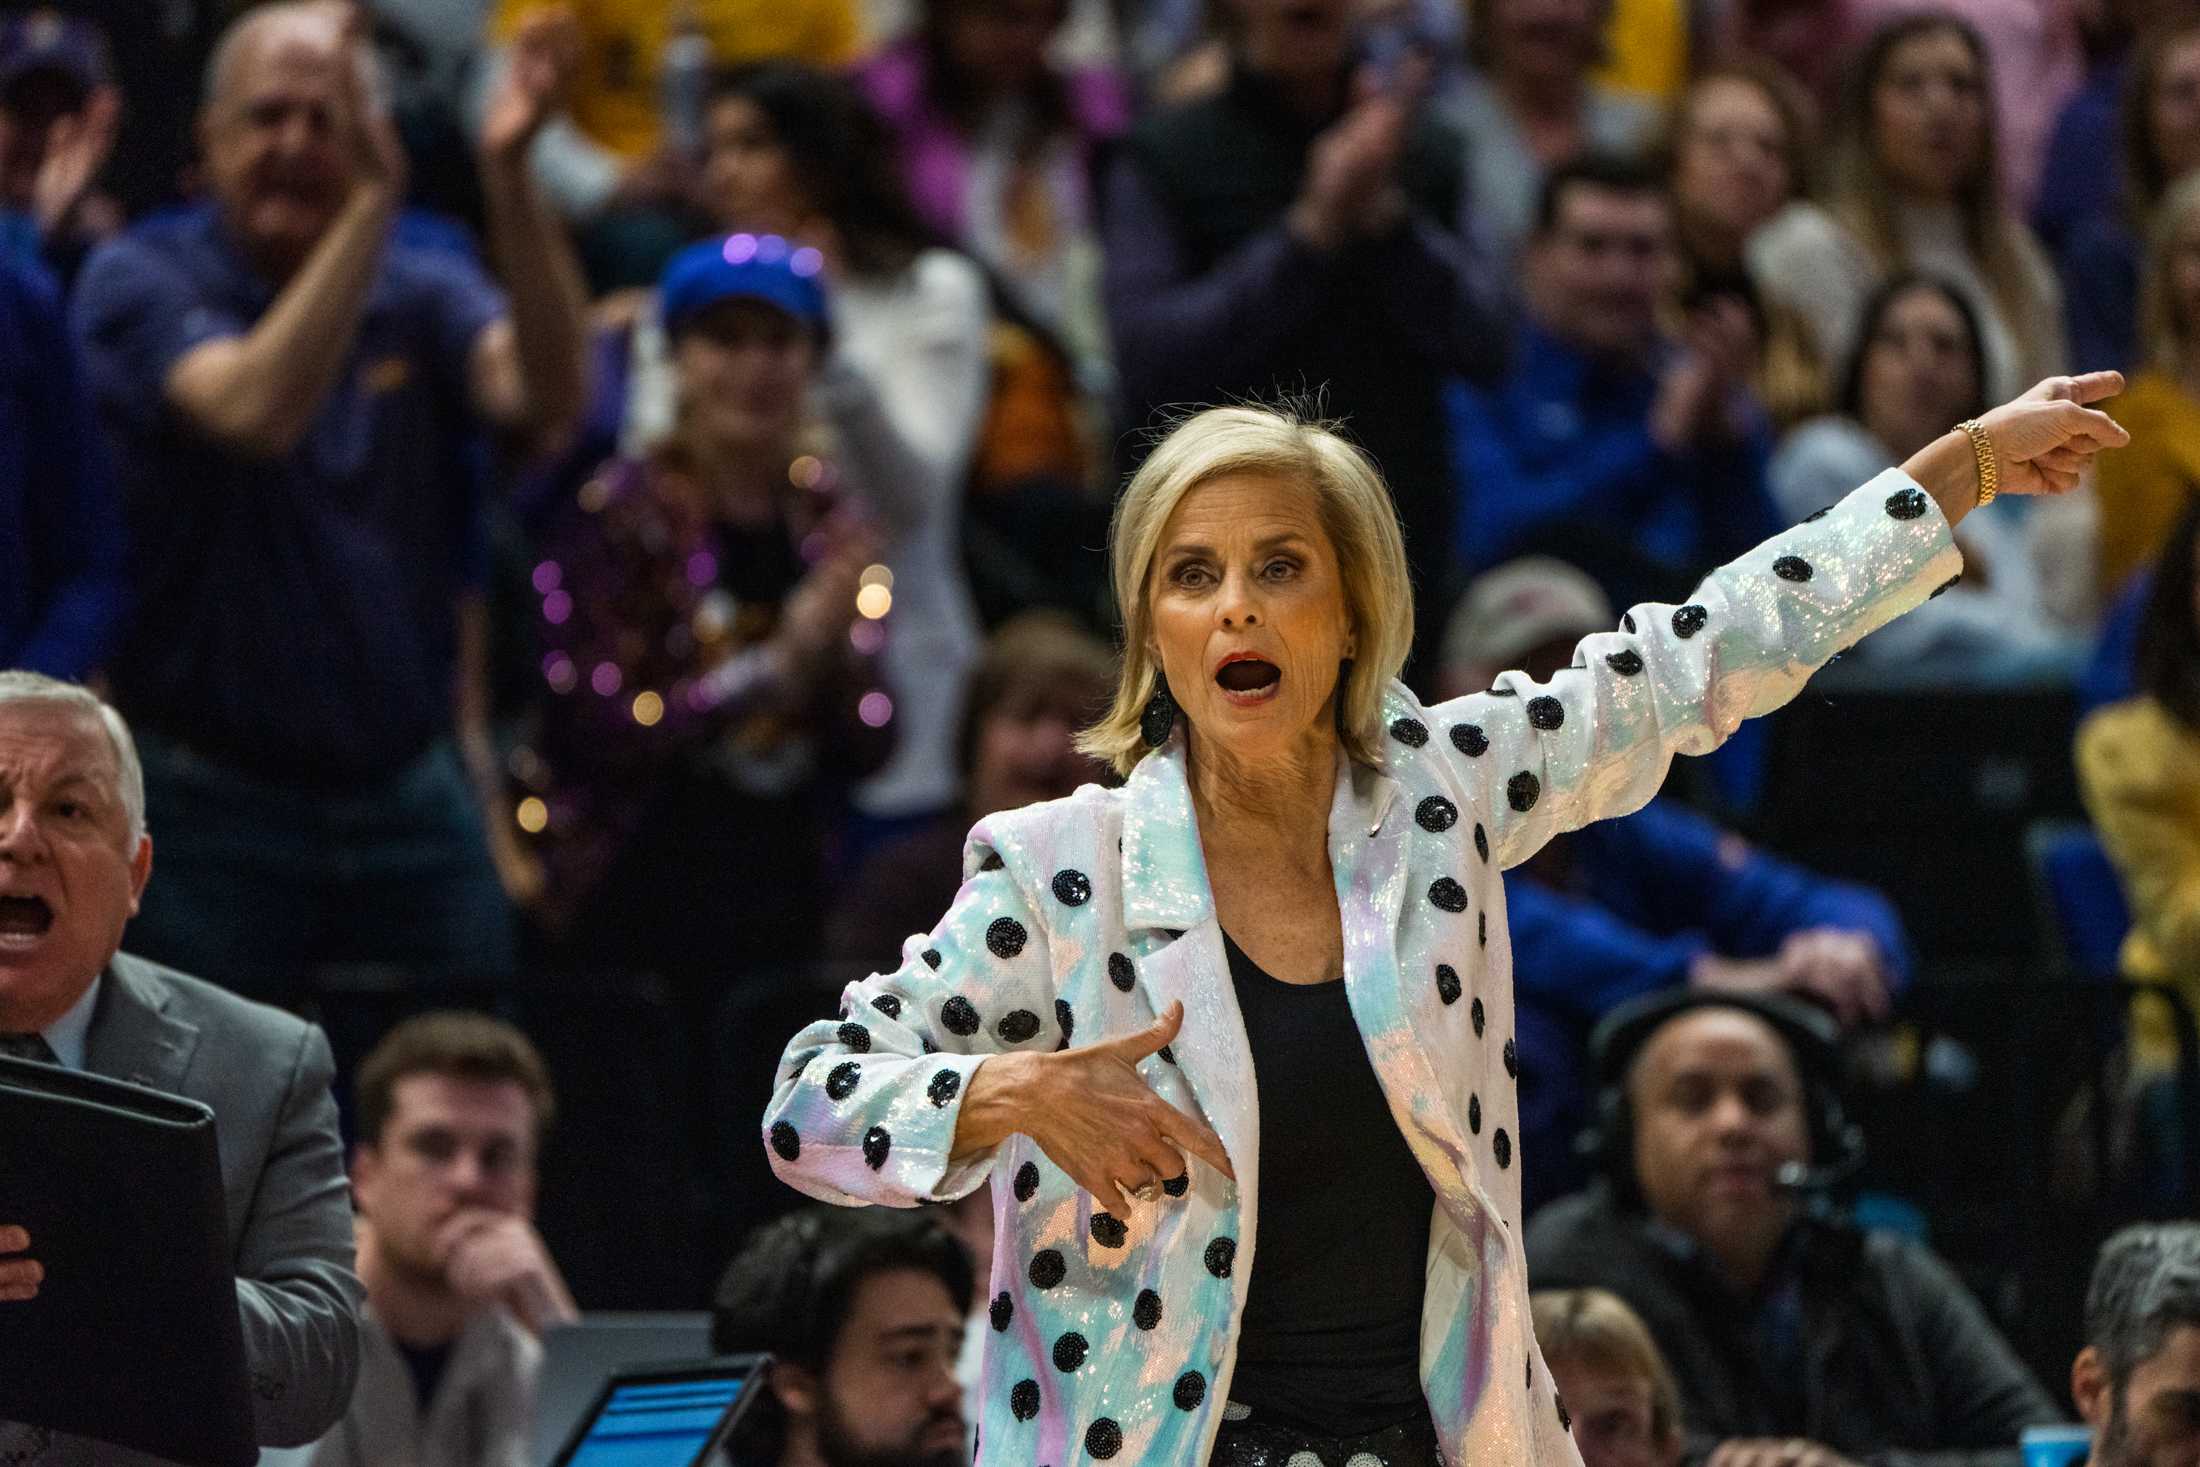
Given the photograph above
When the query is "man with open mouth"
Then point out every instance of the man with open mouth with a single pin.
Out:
(74, 861)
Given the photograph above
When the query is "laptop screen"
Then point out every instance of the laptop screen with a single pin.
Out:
(658, 1422)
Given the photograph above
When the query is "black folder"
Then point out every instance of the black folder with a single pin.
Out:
(134, 1336)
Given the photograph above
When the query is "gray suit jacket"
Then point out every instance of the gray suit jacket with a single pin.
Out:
(265, 1075)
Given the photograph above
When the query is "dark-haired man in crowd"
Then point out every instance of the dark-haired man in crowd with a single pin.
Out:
(74, 859)
(862, 1311)
(460, 1286)
(1797, 1339)
(1638, 458)
(2137, 1381)
(299, 402)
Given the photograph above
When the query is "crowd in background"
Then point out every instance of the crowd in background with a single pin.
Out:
(615, 490)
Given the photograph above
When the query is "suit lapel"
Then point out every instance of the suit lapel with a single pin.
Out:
(134, 1036)
(1211, 1048)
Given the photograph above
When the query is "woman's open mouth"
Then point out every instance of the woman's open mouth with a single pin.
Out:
(1246, 681)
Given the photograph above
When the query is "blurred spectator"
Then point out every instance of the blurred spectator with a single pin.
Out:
(2137, 1379)
(1805, 39)
(795, 152)
(297, 403)
(2074, 188)
(1645, 457)
(862, 1310)
(460, 1287)
(1780, 1322)
(1661, 899)
(1740, 141)
(432, 56)
(2139, 772)
(1617, 1387)
(1291, 233)
(157, 52)
(706, 708)
(1919, 367)
(2143, 489)
(2038, 62)
(74, 862)
(624, 162)
(2160, 144)
(1042, 679)
(1527, 105)
(1913, 183)
(998, 148)
(58, 116)
(62, 592)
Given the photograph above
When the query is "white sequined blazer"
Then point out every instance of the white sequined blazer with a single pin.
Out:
(1115, 1327)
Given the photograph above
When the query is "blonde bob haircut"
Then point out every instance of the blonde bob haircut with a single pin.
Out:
(1355, 507)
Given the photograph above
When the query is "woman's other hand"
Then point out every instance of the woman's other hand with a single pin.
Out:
(1091, 1113)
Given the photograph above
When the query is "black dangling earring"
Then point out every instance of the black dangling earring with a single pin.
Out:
(1159, 719)
(1344, 684)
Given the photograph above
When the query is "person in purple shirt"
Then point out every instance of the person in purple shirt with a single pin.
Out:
(1644, 458)
(998, 145)
(61, 587)
(297, 400)
(1298, 231)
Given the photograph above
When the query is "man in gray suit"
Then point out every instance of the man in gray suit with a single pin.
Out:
(74, 858)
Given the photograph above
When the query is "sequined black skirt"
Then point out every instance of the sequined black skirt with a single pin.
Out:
(1248, 1442)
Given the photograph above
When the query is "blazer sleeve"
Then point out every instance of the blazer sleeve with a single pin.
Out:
(295, 1289)
(1597, 739)
(865, 1106)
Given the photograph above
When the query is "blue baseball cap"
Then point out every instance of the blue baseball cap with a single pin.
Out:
(42, 42)
(757, 267)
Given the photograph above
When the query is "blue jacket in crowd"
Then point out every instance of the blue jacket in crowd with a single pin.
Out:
(1651, 893)
(1563, 446)
(61, 585)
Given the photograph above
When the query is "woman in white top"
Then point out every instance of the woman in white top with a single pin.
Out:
(1913, 185)
(1918, 363)
(793, 151)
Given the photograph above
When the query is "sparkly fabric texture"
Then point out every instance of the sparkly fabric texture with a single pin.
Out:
(1145, 1294)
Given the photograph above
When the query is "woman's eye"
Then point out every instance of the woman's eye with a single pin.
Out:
(1276, 570)
(1191, 575)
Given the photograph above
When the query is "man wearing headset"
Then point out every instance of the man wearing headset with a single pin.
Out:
(1797, 1339)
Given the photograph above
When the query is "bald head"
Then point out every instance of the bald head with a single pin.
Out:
(311, 27)
(1719, 1107)
(278, 127)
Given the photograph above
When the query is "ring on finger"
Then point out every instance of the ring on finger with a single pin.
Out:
(1146, 1191)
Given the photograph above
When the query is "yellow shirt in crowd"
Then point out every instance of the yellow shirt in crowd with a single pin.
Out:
(2143, 488)
(2139, 771)
(616, 96)
(1646, 48)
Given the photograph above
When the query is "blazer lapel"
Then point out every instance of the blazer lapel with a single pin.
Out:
(1165, 889)
(133, 1036)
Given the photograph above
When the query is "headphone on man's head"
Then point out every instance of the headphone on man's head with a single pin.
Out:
(1608, 1143)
